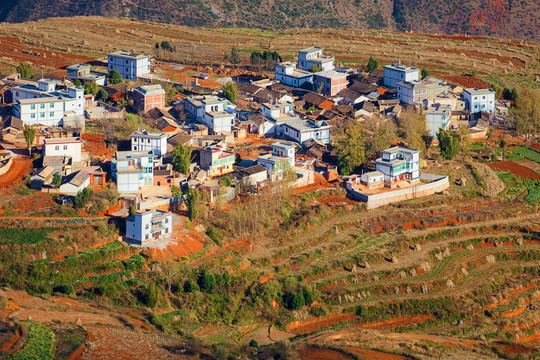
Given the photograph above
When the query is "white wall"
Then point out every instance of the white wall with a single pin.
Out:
(71, 149)
(159, 145)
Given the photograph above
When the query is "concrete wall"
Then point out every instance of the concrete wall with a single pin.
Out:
(6, 167)
(439, 183)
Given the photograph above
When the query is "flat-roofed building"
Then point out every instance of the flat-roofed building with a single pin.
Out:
(129, 65)
(313, 56)
(287, 73)
(145, 226)
(395, 73)
(142, 140)
(479, 100)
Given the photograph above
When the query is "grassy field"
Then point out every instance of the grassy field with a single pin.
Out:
(24, 235)
(39, 343)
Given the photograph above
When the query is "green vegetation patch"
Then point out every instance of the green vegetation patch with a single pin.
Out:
(38, 344)
(534, 190)
(527, 153)
(9, 235)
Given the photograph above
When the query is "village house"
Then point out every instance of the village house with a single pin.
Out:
(251, 176)
(148, 225)
(305, 129)
(278, 114)
(397, 164)
(133, 169)
(313, 56)
(42, 104)
(479, 100)
(412, 92)
(63, 147)
(288, 74)
(351, 96)
(148, 97)
(437, 117)
(196, 106)
(216, 161)
(395, 73)
(330, 82)
(142, 140)
(129, 65)
(84, 73)
(219, 121)
(281, 158)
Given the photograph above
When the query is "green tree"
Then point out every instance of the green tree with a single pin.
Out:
(182, 158)
(26, 70)
(412, 128)
(132, 210)
(57, 179)
(206, 280)
(510, 94)
(77, 83)
(102, 95)
(82, 198)
(226, 181)
(424, 73)
(350, 144)
(234, 56)
(448, 143)
(294, 300)
(502, 145)
(230, 91)
(191, 286)
(114, 77)
(29, 136)
(307, 293)
(165, 45)
(315, 68)
(193, 202)
(526, 114)
(372, 65)
(150, 295)
(91, 88)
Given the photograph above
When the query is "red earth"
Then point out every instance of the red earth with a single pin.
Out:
(515, 169)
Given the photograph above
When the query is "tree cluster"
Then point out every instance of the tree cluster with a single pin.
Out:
(266, 58)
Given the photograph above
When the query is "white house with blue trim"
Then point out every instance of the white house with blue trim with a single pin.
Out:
(399, 163)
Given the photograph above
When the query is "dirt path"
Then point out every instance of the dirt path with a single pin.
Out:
(20, 167)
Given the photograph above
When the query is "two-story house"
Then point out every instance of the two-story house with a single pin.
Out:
(412, 92)
(479, 100)
(397, 164)
(133, 169)
(129, 65)
(287, 73)
(84, 73)
(42, 104)
(216, 161)
(281, 159)
(438, 116)
(305, 129)
(147, 97)
(148, 225)
(142, 140)
(278, 114)
(330, 82)
(63, 147)
(196, 106)
(313, 56)
(395, 73)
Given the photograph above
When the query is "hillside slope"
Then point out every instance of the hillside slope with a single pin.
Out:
(503, 18)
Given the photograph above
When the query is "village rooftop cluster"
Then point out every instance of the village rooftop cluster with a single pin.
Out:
(287, 123)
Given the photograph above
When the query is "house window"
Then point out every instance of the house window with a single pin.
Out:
(65, 147)
(42, 106)
(127, 69)
(32, 116)
(51, 105)
(148, 141)
(146, 227)
(32, 107)
(51, 114)
(111, 67)
(57, 147)
(135, 148)
(41, 115)
(146, 237)
(16, 93)
(166, 231)
(166, 221)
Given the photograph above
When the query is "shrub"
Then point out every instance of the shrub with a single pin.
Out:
(294, 301)
(307, 294)
(206, 280)
(191, 286)
(253, 343)
(215, 235)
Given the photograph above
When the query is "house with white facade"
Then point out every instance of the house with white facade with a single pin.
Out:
(148, 225)
(196, 106)
(330, 82)
(133, 169)
(278, 114)
(142, 140)
(42, 104)
(313, 56)
(287, 73)
(216, 161)
(411, 92)
(84, 73)
(372, 179)
(281, 158)
(438, 116)
(397, 164)
(395, 73)
(305, 129)
(129, 65)
(63, 147)
(219, 121)
(479, 100)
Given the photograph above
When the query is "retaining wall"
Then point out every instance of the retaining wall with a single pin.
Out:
(6, 167)
(439, 183)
